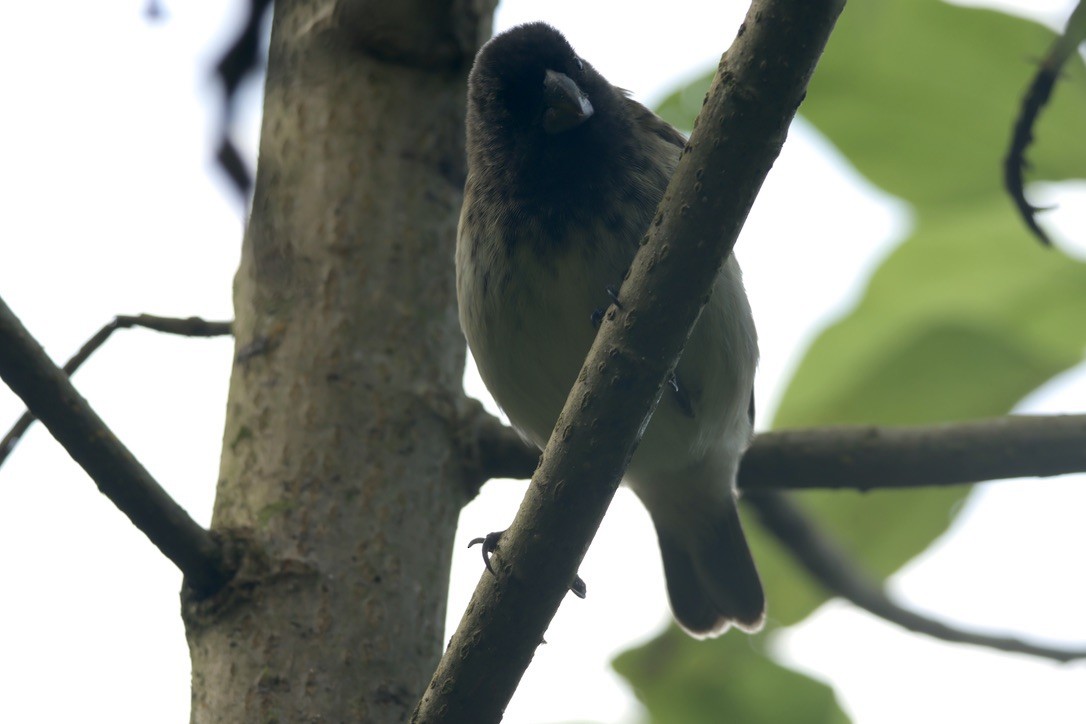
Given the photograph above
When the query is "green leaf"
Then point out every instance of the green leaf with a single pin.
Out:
(969, 314)
(727, 679)
(920, 96)
(966, 317)
(961, 321)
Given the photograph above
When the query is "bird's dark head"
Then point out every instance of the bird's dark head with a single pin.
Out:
(530, 81)
(542, 121)
(553, 143)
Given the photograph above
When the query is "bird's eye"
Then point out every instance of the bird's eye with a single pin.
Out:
(580, 63)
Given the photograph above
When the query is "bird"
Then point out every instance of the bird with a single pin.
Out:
(564, 174)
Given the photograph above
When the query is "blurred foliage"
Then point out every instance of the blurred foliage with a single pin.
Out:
(724, 680)
(967, 315)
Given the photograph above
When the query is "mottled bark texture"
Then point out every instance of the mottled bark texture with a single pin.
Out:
(342, 475)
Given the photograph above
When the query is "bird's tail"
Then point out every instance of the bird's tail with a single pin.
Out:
(711, 579)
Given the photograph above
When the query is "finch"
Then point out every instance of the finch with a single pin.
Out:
(565, 172)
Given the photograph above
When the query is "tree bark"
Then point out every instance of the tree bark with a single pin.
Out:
(342, 476)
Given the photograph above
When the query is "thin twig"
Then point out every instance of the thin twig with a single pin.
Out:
(235, 65)
(835, 571)
(1035, 99)
(188, 327)
(49, 394)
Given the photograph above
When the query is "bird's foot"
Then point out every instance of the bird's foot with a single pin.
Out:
(490, 544)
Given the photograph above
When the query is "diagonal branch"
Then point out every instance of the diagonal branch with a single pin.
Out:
(189, 327)
(759, 84)
(832, 568)
(49, 395)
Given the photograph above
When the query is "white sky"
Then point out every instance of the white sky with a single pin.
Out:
(112, 205)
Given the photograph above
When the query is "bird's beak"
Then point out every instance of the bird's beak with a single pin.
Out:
(566, 104)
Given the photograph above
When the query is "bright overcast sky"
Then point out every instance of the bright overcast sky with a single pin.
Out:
(113, 206)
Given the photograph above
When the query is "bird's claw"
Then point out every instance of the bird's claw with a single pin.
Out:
(490, 544)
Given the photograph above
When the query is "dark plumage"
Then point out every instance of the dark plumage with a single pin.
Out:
(559, 179)
(564, 175)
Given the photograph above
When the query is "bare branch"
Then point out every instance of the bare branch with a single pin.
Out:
(189, 327)
(491, 449)
(49, 395)
(832, 568)
(869, 458)
(861, 457)
(759, 84)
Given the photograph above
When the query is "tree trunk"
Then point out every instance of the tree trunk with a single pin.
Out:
(341, 471)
